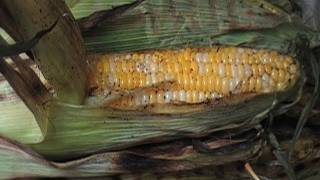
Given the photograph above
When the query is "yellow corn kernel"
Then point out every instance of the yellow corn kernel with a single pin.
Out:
(208, 69)
(198, 83)
(281, 75)
(160, 97)
(225, 86)
(241, 71)
(258, 84)
(252, 84)
(274, 75)
(189, 96)
(228, 70)
(260, 69)
(217, 85)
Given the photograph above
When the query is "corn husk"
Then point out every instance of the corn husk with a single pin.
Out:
(61, 59)
(82, 8)
(16, 120)
(172, 24)
(174, 159)
(148, 159)
(30, 92)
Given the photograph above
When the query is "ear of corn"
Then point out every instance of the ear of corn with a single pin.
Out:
(79, 130)
(195, 75)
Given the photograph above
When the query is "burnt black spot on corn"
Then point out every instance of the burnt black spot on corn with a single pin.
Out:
(192, 75)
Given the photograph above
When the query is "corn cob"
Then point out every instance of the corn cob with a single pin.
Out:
(192, 75)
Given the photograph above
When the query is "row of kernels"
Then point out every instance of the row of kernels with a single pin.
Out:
(165, 96)
(229, 70)
(199, 83)
(199, 69)
(217, 69)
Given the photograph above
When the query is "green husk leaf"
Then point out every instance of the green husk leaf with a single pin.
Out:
(31, 91)
(16, 120)
(84, 8)
(60, 54)
(32, 95)
(17, 161)
(166, 158)
(80, 130)
(158, 24)
(110, 15)
(140, 159)
(282, 38)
